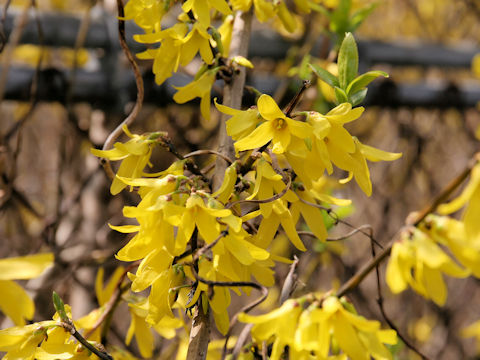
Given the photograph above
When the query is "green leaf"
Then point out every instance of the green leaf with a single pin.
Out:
(359, 16)
(340, 95)
(347, 61)
(363, 80)
(358, 97)
(59, 306)
(325, 75)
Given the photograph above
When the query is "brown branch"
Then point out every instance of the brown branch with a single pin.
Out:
(207, 247)
(290, 281)
(68, 325)
(112, 302)
(233, 92)
(242, 338)
(167, 143)
(291, 106)
(140, 91)
(232, 97)
(414, 220)
(208, 151)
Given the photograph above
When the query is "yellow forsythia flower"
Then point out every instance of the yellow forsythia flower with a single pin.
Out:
(201, 9)
(470, 196)
(417, 261)
(15, 302)
(201, 88)
(310, 330)
(135, 155)
(277, 128)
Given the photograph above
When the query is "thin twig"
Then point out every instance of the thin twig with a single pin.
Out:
(167, 143)
(208, 151)
(290, 281)
(140, 91)
(293, 103)
(113, 301)
(412, 221)
(242, 338)
(207, 247)
(72, 330)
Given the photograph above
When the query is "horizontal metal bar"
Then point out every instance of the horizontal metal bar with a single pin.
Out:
(97, 89)
(61, 30)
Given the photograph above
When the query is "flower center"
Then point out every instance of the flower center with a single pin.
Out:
(279, 123)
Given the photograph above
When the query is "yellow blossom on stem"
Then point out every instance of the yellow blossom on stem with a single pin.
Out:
(201, 88)
(15, 302)
(147, 14)
(279, 324)
(451, 233)
(242, 123)
(470, 196)
(278, 128)
(135, 155)
(166, 58)
(201, 9)
(416, 260)
(310, 330)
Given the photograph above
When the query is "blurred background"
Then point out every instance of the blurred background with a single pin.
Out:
(65, 85)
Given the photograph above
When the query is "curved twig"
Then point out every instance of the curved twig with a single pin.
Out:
(140, 91)
(208, 151)
(290, 281)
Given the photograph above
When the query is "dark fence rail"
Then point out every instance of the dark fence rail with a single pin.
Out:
(111, 88)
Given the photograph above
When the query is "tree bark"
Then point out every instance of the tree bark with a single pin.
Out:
(232, 97)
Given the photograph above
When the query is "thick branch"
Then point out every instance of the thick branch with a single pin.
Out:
(232, 97)
(233, 92)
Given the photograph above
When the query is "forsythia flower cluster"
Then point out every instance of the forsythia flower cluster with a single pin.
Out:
(418, 258)
(195, 34)
(319, 328)
(179, 214)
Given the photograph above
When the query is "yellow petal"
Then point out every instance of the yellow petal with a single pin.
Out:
(373, 154)
(465, 196)
(25, 267)
(268, 108)
(15, 302)
(259, 137)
